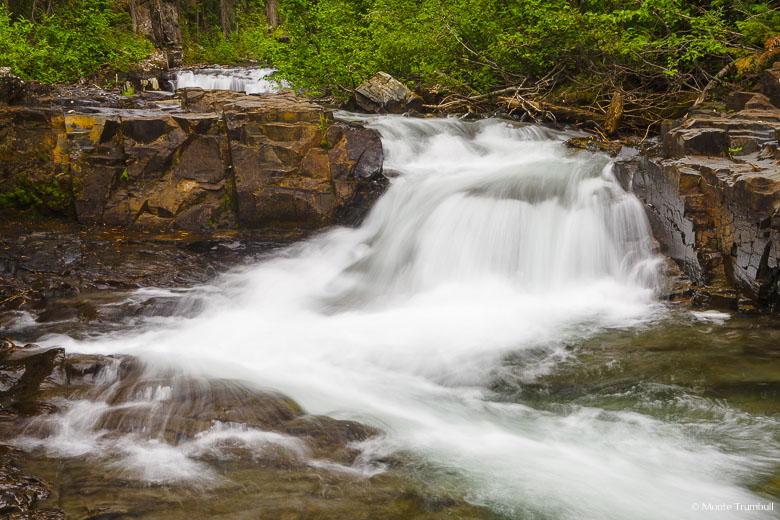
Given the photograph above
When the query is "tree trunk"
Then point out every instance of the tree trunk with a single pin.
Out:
(225, 12)
(134, 16)
(270, 13)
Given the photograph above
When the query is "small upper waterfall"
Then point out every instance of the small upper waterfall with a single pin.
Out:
(247, 80)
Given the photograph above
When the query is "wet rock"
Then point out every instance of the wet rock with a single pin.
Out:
(713, 203)
(593, 144)
(770, 84)
(223, 160)
(385, 94)
(355, 153)
(59, 273)
(275, 482)
(28, 375)
(328, 437)
(293, 164)
(20, 493)
(11, 87)
(160, 405)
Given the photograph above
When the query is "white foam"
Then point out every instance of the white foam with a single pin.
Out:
(247, 80)
(493, 241)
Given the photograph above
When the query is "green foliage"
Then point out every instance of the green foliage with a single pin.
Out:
(480, 45)
(463, 46)
(74, 41)
(249, 41)
(323, 127)
(227, 201)
(128, 91)
(27, 194)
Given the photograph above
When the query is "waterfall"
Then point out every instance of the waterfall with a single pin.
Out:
(493, 249)
(247, 80)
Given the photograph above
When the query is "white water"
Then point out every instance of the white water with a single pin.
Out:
(247, 80)
(493, 241)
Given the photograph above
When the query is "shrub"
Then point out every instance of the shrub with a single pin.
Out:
(74, 41)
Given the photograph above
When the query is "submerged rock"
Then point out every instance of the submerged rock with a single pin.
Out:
(301, 467)
(163, 405)
(21, 494)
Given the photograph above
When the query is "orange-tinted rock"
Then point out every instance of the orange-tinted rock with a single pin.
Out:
(224, 159)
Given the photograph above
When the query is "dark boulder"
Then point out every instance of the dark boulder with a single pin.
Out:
(11, 87)
(20, 493)
(713, 200)
(770, 84)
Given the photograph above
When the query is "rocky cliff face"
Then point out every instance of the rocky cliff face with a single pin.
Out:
(196, 161)
(712, 193)
(159, 22)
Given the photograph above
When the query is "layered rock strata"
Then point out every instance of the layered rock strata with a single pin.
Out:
(712, 193)
(196, 161)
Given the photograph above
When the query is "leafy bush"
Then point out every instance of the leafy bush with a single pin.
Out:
(480, 45)
(250, 40)
(74, 41)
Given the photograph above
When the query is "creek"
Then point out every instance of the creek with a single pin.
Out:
(498, 316)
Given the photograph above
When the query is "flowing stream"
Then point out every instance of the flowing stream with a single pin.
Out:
(247, 80)
(479, 317)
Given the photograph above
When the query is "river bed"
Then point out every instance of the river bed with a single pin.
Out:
(497, 316)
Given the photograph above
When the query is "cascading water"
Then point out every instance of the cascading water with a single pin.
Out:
(247, 80)
(493, 249)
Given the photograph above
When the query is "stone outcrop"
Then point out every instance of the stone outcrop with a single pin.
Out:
(159, 22)
(770, 83)
(200, 160)
(712, 193)
(384, 94)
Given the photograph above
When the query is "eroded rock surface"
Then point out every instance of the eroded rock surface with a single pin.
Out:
(21, 494)
(712, 193)
(56, 271)
(306, 468)
(198, 161)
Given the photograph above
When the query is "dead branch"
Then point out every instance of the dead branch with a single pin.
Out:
(14, 297)
(717, 79)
